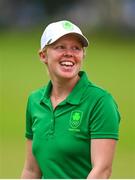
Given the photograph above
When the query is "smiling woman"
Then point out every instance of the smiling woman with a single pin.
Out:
(71, 124)
(64, 58)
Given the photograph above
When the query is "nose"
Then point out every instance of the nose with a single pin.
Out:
(68, 53)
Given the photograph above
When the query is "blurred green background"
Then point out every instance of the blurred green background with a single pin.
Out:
(109, 62)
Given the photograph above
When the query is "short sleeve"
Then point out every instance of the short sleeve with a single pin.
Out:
(105, 118)
(28, 133)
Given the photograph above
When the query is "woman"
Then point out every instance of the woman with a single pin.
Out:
(71, 124)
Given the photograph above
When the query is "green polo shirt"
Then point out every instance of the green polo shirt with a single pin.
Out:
(61, 136)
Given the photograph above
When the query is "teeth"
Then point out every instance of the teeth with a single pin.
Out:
(67, 63)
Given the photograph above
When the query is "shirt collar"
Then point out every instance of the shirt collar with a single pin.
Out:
(76, 94)
(78, 91)
(46, 94)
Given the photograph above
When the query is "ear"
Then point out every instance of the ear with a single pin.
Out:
(84, 53)
(43, 57)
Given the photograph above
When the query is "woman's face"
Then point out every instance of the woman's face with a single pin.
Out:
(64, 57)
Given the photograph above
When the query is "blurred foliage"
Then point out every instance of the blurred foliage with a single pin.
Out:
(91, 13)
(52, 7)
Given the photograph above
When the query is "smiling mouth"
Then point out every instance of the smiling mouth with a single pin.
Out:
(67, 63)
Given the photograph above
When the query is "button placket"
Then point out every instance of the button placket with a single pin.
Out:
(52, 124)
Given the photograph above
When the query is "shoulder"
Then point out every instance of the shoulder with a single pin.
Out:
(37, 94)
(102, 99)
(96, 95)
(97, 92)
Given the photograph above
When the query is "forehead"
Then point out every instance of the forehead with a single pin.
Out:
(69, 38)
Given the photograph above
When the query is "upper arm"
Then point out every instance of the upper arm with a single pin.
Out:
(31, 168)
(102, 152)
(104, 131)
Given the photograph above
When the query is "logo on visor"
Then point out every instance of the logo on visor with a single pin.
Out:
(49, 41)
(68, 25)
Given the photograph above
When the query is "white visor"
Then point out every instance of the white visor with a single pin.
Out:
(56, 30)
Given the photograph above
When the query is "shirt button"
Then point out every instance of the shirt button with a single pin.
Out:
(51, 133)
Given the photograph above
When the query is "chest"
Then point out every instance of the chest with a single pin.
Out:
(65, 120)
(65, 126)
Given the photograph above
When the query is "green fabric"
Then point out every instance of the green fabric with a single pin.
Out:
(61, 137)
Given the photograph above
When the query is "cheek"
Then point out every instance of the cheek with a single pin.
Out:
(50, 63)
(52, 57)
(80, 58)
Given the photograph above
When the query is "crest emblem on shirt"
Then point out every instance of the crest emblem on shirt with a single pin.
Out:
(75, 119)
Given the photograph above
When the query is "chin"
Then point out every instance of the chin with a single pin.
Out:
(68, 75)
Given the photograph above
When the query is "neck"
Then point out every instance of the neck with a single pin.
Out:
(61, 89)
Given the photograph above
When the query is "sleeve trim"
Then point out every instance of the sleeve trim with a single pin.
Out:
(104, 136)
(29, 136)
